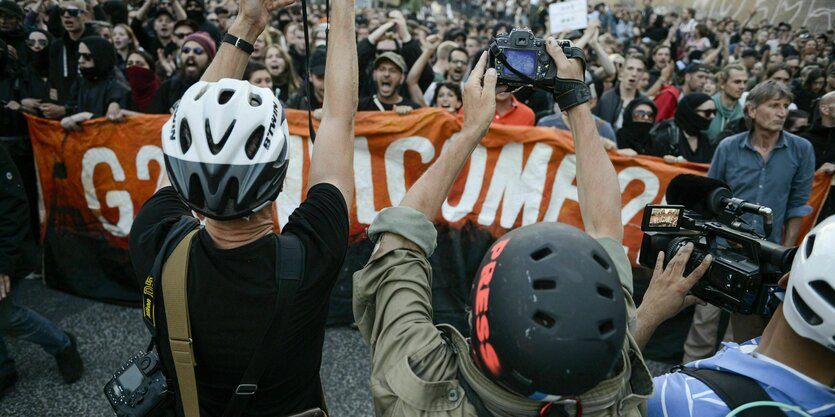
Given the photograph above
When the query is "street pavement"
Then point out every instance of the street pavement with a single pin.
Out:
(109, 334)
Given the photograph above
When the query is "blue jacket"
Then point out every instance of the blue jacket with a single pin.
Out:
(679, 395)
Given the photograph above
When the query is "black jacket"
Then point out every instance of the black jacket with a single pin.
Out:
(666, 138)
(823, 141)
(610, 104)
(95, 96)
(63, 63)
(169, 92)
(14, 217)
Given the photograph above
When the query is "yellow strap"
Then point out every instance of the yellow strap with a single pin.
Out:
(174, 282)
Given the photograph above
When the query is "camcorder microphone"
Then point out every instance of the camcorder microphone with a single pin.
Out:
(711, 197)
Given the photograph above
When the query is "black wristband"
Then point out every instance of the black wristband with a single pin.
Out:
(238, 43)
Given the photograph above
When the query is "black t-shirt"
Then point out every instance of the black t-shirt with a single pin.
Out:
(231, 299)
(369, 104)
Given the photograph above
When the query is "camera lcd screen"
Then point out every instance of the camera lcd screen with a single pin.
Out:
(662, 218)
(522, 60)
(131, 379)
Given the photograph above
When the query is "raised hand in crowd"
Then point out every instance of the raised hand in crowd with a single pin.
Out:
(430, 46)
(382, 32)
(167, 62)
(402, 28)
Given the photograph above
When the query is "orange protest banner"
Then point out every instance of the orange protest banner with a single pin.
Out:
(517, 176)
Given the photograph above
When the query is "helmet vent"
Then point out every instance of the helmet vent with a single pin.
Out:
(824, 290)
(195, 191)
(810, 244)
(201, 92)
(216, 147)
(541, 253)
(606, 292)
(255, 100)
(544, 284)
(185, 136)
(803, 309)
(544, 319)
(600, 260)
(606, 328)
(225, 96)
(254, 142)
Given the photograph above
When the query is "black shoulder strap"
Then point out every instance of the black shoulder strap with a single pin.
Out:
(152, 282)
(289, 275)
(735, 390)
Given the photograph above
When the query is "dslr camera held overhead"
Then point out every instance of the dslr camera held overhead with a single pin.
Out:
(746, 266)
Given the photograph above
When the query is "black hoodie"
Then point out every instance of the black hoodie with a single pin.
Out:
(17, 39)
(633, 134)
(101, 85)
(63, 64)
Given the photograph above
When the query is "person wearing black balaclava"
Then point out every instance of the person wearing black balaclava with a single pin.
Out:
(638, 120)
(101, 89)
(196, 11)
(683, 138)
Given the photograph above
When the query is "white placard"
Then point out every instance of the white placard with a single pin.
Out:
(568, 15)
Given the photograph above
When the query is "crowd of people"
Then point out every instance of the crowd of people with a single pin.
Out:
(755, 100)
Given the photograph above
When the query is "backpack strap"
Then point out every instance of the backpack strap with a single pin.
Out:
(174, 286)
(290, 259)
(152, 282)
(735, 390)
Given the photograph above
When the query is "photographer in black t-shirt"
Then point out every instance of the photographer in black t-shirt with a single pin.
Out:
(232, 262)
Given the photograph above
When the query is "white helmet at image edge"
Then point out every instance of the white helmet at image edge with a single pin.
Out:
(809, 305)
(225, 148)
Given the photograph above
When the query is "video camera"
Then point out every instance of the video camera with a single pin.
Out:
(746, 266)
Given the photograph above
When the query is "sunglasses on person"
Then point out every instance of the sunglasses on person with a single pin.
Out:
(197, 50)
(707, 113)
(85, 56)
(458, 62)
(643, 115)
(33, 42)
(71, 12)
(182, 35)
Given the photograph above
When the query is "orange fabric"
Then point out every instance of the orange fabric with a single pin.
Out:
(518, 175)
(519, 115)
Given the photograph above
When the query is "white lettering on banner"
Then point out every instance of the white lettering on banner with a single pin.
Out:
(651, 188)
(363, 182)
(121, 199)
(472, 187)
(395, 173)
(516, 186)
(563, 188)
(147, 154)
(290, 196)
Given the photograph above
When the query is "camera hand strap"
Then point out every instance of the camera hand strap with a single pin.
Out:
(289, 274)
(175, 299)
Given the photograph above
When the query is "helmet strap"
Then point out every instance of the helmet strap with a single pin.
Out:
(549, 410)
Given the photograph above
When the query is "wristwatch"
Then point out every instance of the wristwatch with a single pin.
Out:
(238, 43)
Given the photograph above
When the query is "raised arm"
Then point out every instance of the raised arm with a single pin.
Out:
(431, 189)
(432, 42)
(333, 152)
(231, 61)
(597, 183)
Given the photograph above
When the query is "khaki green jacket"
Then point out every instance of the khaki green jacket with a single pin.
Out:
(415, 365)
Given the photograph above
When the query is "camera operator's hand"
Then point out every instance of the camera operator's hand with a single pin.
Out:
(667, 292)
(567, 69)
(480, 98)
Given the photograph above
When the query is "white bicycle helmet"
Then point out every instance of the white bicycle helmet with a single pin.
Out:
(225, 148)
(809, 305)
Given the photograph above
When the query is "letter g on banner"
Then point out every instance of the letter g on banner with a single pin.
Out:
(118, 199)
